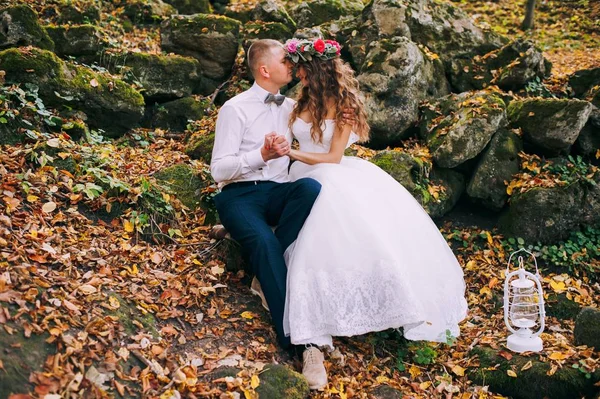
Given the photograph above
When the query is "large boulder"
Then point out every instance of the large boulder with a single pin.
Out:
(254, 30)
(200, 145)
(148, 11)
(440, 26)
(175, 115)
(549, 214)
(510, 67)
(184, 182)
(588, 141)
(80, 12)
(530, 383)
(161, 77)
(264, 10)
(499, 163)
(109, 103)
(587, 328)
(459, 126)
(582, 82)
(550, 125)
(211, 39)
(188, 7)
(395, 78)
(416, 176)
(77, 40)
(316, 12)
(280, 382)
(19, 26)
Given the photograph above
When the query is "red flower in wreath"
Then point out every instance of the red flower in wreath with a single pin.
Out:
(319, 45)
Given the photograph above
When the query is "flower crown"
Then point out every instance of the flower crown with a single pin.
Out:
(306, 50)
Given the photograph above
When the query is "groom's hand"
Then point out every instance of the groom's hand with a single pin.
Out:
(275, 146)
(349, 116)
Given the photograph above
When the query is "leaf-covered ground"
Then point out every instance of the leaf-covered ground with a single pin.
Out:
(88, 281)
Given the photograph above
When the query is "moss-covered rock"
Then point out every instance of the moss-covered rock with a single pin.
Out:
(417, 177)
(279, 382)
(20, 356)
(582, 82)
(148, 11)
(499, 163)
(188, 7)
(587, 328)
(255, 30)
(588, 141)
(76, 40)
(316, 12)
(384, 392)
(175, 115)
(532, 383)
(162, 77)
(549, 214)
(561, 307)
(80, 12)
(272, 11)
(9, 132)
(20, 27)
(109, 103)
(551, 125)
(395, 77)
(510, 67)
(211, 39)
(458, 127)
(200, 146)
(127, 313)
(184, 182)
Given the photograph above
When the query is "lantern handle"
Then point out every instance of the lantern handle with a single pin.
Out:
(521, 263)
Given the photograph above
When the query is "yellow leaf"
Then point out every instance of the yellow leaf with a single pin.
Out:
(459, 371)
(511, 373)
(558, 286)
(32, 198)
(128, 226)
(114, 302)
(558, 356)
(414, 371)
(490, 240)
(598, 154)
(486, 291)
(425, 385)
(382, 379)
(254, 382)
(247, 315)
(527, 366)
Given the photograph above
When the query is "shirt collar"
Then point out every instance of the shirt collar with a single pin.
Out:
(260, 92)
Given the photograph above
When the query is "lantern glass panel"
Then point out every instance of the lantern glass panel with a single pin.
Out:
(524, 309)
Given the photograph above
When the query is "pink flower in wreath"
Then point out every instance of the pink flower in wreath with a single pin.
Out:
(335, 44)
(319, 45)
(292, 46)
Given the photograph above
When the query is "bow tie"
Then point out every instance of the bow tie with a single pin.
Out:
(275, 98)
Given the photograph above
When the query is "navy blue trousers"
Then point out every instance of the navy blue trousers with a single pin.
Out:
(248, 211)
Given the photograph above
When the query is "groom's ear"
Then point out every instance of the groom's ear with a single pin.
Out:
(264, 71)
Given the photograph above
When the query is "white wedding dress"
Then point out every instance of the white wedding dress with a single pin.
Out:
(368, 257)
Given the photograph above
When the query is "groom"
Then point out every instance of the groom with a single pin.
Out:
(250, 165)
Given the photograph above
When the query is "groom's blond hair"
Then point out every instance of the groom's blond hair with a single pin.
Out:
(259, 52)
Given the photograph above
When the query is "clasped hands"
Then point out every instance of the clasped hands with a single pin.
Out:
(275, 146)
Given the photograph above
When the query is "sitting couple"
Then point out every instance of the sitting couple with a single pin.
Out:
(353, 252)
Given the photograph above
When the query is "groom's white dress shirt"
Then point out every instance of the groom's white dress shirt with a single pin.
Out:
(242, 124)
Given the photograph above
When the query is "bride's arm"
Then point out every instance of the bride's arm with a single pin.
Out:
(336, 151)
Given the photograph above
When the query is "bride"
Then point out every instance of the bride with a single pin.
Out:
(368, 257)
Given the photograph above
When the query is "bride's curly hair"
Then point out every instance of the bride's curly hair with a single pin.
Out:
(330, 81)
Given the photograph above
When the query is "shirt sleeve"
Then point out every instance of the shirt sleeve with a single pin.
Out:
(227, 163)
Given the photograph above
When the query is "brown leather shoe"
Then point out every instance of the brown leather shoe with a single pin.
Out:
(256, 289)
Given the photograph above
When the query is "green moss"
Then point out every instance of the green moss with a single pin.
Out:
(76, 40)
(533, 383)
(200, 146)
(175, 115)
(128, 313)
(559, 306)
(277, 381)
(31, 31)
(20, 356)
(188, 7)
(214, 23)
(267, 30)
(182, 181)
(31, 65)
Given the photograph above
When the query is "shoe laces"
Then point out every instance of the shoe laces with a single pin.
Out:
(311, 357)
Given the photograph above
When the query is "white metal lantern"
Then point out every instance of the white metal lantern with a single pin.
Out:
(524, 312)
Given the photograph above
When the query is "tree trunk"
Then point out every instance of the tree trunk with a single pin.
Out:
(528, 21)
